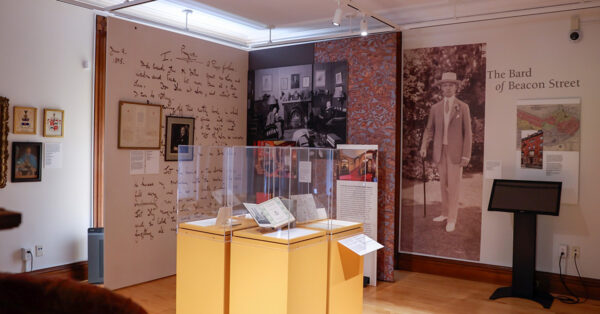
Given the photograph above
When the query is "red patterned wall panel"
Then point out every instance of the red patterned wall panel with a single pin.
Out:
(372, 119)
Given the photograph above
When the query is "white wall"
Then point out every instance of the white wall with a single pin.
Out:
(540, 42)
(42, 47)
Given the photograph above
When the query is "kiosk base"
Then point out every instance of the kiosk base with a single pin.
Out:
(541, 297)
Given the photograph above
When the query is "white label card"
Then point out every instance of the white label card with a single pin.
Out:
(304, 171)
(136, 162)
(361, 244)
(53, 155)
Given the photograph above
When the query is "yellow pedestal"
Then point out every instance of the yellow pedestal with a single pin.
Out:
(277, 275)
(203, 267)
(344, 268)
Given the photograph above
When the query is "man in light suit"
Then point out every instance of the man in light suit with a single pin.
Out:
(449, 126)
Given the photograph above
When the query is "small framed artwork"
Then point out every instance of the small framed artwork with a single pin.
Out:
(54, 120)
(139, 125)
(24, 120)
(320, 78)
(26, 162)
(338, 78)
(306, 82)
(179, 138)
(284, 83)
(267, 83)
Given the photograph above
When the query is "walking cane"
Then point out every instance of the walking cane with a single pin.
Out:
(424, 193)
(424, 177)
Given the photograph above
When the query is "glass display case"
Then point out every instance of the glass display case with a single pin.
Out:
(258, 229)
(241, 212)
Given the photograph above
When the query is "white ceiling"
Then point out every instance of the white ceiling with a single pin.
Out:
(244, 23)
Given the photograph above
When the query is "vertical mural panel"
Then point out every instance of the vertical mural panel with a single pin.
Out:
(442, 150)
(372, 119)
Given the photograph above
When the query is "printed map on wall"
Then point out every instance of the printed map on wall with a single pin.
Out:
(559, 123)
(548, 143)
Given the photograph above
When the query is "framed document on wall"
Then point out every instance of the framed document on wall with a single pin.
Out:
(139, 125)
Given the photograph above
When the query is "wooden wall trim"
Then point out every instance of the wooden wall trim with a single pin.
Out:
(499, 275)
(76, 271)
(99, 106)
(397, 175)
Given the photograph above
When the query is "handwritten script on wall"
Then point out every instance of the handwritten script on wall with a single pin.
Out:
(186, 85)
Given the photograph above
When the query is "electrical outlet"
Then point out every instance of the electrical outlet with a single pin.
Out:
(576, 251)
(25, 254)
(563, 250)
(39, 250)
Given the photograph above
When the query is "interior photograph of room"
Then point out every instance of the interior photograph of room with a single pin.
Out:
(301, 157)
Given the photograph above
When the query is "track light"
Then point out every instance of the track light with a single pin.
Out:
(363, 26)
(337, 17)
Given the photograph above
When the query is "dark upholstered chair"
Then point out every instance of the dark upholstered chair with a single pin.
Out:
(22, 293)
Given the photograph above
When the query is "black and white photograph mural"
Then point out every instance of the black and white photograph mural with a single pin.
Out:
(442, 150)
(279, 103)
(299, 104)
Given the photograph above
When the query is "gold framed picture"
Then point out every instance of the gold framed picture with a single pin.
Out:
(24, 120)
(54, 120)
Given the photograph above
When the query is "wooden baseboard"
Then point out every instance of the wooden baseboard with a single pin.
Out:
(493, 274)
(76, 271)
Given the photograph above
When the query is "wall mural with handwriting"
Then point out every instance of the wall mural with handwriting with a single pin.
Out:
(189, 78)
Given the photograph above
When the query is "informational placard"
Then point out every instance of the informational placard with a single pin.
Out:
(356, 194)
(361, 244)
(136, 162)
(304, 171)
(493, 169)
(53, 156)
(151, 161)
(548, 143)
(143, 162)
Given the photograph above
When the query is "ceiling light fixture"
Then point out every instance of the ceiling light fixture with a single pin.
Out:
(337, 16)
(271, 27)
(126, 4)
(363, 26)
(187, 13)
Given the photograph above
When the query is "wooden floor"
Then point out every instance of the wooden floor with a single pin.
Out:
(411, 293)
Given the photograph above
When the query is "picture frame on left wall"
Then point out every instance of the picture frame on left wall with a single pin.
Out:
(26, 163)
(24, 120)
(54, 120)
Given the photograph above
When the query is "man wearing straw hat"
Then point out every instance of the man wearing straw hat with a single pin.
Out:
(449, 126)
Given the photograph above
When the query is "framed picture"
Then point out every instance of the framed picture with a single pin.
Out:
(179, 138)
(338, 78)
(306, 82)
(320, 78)
(267, 83)
(139, 125)
(284, 83)
(26, 162)
(54, 120)
(295, 83)
(24, 120)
